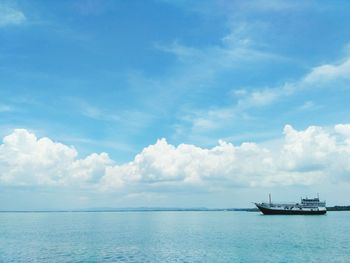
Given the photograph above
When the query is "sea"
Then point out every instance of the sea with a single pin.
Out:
(199, 236)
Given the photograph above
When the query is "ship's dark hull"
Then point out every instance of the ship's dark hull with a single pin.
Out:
(267, 211)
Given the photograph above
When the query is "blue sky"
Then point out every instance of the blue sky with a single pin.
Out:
(116, 77)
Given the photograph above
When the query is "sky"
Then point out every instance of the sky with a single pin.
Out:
(166, 103)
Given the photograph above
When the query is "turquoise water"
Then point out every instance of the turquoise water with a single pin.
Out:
(173, 237)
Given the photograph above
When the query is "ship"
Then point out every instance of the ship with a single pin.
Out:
(306, 206)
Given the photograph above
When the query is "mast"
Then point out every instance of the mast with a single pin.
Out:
(270, 198)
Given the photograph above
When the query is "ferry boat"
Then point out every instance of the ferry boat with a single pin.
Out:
(307, 206)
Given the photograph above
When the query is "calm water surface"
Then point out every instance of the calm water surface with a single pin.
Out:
(173, 237)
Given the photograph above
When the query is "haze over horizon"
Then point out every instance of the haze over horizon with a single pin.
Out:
(173, 103)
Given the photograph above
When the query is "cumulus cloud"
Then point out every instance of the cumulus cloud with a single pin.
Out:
(312, 156)
(10, 16)
(27, 160)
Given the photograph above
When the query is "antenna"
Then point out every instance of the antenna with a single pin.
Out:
(318, 196)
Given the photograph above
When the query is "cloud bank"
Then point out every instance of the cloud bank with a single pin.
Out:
(315, 155)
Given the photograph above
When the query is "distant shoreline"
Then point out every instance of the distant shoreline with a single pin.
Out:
(145, 209)
(339, 208)
(134, 210)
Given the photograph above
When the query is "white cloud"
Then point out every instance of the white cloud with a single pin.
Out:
(10, 16)
(307, 106)
(327, 76)
(244, 45)
(309, 157)
(27, 160)
(343, 129)
(227, 165)
(320, 76)
(328, 72)
(199, 69)
(311, 149)
(235, 48)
